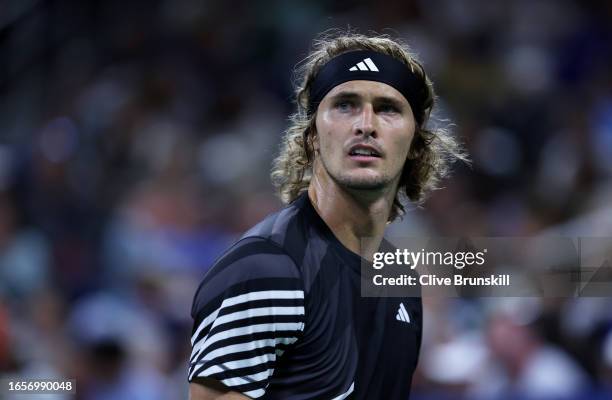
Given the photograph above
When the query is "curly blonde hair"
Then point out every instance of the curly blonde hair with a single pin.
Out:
(432, 150)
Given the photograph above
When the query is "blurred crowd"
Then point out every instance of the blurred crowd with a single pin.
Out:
(135, 145)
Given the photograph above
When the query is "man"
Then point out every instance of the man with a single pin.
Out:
(280, 316)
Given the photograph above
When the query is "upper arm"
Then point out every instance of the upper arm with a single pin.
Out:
(209, 389)
(248, 310)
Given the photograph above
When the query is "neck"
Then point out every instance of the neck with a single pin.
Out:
(356, 217)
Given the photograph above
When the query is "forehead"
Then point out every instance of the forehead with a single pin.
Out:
(367, 89)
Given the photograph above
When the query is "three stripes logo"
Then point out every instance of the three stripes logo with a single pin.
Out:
(402, 314)
(366, 65)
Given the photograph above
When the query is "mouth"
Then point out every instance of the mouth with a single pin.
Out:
(364, 153)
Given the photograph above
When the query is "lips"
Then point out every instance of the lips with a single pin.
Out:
(363, 150)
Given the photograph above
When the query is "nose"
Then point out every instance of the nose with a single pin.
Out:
(365, 122)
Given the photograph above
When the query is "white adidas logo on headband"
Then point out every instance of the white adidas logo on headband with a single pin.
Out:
(366, 65)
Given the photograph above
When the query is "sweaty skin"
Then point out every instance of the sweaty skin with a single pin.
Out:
(353, 194)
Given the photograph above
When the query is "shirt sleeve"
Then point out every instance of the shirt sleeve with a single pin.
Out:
(247, 311)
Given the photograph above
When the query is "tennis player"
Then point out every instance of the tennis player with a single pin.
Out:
(280, 315)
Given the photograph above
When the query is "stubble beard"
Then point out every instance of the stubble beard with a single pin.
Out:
(379, 182)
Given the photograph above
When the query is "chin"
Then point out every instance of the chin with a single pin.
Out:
(365, 182)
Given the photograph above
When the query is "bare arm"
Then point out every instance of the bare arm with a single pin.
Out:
(210, 389)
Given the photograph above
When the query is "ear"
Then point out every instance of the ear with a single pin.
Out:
(313, 137)
(315, 141)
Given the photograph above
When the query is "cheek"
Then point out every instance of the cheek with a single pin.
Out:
(322, 136)
(327, 138)
(327, 146)
(403, 142)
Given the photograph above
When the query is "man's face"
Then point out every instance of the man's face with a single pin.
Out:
(364, 131)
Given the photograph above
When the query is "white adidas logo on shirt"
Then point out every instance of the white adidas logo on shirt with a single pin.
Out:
(402, 314)
(366, 65)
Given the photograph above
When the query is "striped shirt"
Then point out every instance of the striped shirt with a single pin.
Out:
(280, 316)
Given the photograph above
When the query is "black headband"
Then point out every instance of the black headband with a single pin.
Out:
(370, 66)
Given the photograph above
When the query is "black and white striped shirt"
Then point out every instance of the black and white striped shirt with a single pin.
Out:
(280, 316)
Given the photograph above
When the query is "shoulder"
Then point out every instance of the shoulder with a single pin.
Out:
(247, 311)
(264, 259)
(287, 228)
(253, 264)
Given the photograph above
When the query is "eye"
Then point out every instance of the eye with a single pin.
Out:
(389, 108)
(344, 105)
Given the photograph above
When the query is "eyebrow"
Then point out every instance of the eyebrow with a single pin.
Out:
(346, 95)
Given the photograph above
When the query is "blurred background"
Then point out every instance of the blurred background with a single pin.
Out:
(136, 140)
